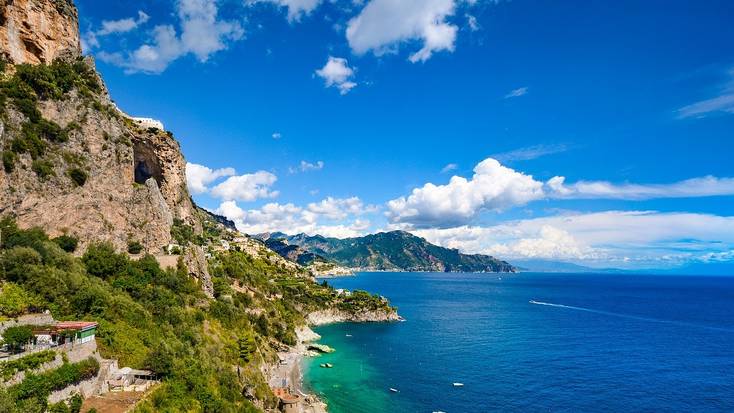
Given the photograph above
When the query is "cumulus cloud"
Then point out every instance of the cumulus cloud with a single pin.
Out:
(332, 217)
(336, 208)
(337, 73)
(634, 238)
(247, 187)
(383, 25)
(722, 103)
(91, 38)
(296, 8)
(202, 34)
(495, 187)
(517, 93)
(198, 177)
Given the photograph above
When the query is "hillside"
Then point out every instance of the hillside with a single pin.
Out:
(97, 225)
(393, 251)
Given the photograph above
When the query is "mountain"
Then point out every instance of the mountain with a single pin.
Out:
(392, 251)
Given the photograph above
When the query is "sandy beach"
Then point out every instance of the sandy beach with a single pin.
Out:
(287, 374)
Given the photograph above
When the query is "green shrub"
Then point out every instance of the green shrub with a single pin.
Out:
(9, 159)
(41, 385)
(67, 243)
(134, 247)
(78, 175)
(9, 369)
(43, 168)
(182, 232)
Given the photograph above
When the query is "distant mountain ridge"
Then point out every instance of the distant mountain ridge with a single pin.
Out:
(386, 251)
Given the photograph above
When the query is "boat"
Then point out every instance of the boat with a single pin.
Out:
(458, 384)
(326, 365)
(348, 335)
(393, 390)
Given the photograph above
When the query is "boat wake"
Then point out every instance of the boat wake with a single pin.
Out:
(632, 317)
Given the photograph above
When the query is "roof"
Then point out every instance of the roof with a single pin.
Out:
(76, 325)
(285, 396)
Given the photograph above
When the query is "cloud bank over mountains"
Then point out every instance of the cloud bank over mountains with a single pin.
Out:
(450, 214)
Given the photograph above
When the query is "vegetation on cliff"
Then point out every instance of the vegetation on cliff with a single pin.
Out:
(208, 352)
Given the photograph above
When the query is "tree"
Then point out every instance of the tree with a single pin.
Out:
(102, 260)
(17, 337)
(14, 300)
(66, 242)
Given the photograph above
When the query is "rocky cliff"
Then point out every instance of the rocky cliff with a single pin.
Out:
(38, 31)
(72, 162)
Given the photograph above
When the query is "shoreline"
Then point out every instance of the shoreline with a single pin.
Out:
(288, 373)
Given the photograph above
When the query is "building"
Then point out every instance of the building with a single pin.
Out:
(149, 123)
(65, 332)
(289, 403)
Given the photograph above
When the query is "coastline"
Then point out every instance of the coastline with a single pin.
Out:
(288, 372)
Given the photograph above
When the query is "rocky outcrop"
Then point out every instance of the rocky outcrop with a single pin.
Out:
(98, 175)
(112, 205)
(38, 31)
(331, 316)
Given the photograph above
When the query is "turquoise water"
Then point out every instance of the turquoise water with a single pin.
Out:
(585, 343)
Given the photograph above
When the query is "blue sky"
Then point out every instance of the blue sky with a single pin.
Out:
(593, 132)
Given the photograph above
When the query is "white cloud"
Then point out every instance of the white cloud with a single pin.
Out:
(384, 24)
(689, 188)
(247, 187)
(530, 152)
(198, 177)
(449, 167)
(296, 8)
(472, 22)
(122, 25)
(337, 73)
(624, 238)
(495, 187)
(91, 38)
(723, 103)
(332, 217)
(305, 166)
(335, 208)
(201, 34)
(517, 93)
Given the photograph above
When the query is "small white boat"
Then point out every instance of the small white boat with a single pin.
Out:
(458, 384)
(348, 335)
(393, 390)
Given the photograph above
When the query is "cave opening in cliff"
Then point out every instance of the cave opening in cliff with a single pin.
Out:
(147, 164)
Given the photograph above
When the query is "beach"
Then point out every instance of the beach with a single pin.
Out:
(287, 373)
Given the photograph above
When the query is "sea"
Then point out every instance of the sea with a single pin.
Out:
(533, 342)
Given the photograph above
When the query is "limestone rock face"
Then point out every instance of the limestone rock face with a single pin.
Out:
(136, 183)
(38, 31)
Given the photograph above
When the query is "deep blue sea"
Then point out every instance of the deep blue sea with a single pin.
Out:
(534, 343)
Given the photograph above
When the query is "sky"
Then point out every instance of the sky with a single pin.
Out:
(594, 132)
